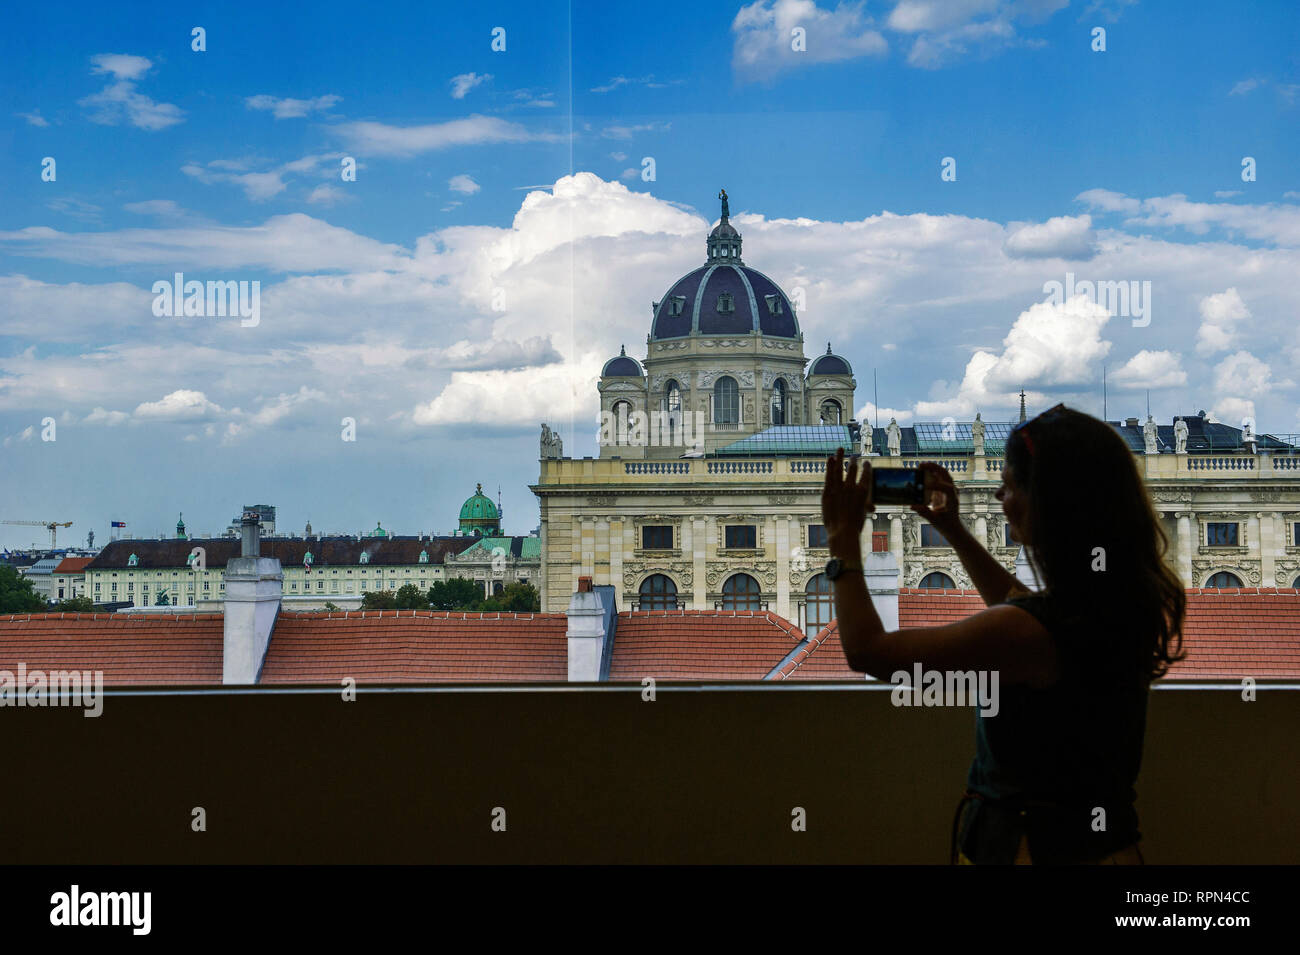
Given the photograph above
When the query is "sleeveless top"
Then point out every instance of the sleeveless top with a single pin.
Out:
(1052, 757)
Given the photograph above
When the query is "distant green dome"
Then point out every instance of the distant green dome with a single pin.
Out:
(478, 515)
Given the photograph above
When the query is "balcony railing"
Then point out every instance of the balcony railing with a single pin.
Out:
(809, 469)
(879, 782)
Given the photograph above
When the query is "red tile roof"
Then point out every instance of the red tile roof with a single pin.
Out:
(417, 646)
(128, 648)
(1228, 633)
(73, 565)
(700, 644)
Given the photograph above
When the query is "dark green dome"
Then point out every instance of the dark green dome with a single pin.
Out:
(478, 507)
(478, 515)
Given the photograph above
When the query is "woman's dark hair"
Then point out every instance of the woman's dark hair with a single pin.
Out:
(1085, 493)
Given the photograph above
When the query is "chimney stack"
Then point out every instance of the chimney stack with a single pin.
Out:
(592, 617)
(254, 586)
(881, 572)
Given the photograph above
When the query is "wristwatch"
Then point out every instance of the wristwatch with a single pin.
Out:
(836, 567)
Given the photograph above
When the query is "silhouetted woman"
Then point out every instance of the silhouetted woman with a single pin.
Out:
(1053, 774)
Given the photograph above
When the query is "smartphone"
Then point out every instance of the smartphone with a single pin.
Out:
(904, 486)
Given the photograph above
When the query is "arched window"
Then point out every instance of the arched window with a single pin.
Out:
(937, 581)
(672, 396)
(830, 411)
(622, 412)
(778, 402)
(726, 401)
(740, 592)
(819, 604)
(497, 588)
(658, 592)
(1223, 579)
(1295, 584)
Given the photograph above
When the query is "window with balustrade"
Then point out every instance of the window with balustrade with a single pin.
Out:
(1221, 534)
(741, 536)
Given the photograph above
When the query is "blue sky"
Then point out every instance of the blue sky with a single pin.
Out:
(514, 178)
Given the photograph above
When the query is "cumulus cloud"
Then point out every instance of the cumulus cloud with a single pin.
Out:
(762, 43)
(1219, 316)
(464, 82)
(106, 417)
(289, 108)
(463, 184)
(1150, 369)
(120, 102)
(1049, 346)
(382, 139)
(181, 405)
(1065, 237)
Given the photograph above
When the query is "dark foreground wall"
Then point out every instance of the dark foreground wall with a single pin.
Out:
(698, 775)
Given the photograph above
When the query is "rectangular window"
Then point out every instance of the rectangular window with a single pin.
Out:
(1295, 535)
(657, 537)
(817, 536)
(930, 537)
(1221, 535)
(320, 585)
(1006, 536)
(742, 535)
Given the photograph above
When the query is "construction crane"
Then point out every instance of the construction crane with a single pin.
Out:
(51, 526)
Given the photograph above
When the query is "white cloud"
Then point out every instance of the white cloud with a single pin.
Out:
(283, 405)
(1150, 369)
(1219, 315)
(868, 415)
(34, 118)
(1109, 201)
(119, 101)
(162, 208)
(514, 400)
(288, 108)
(382, 139)
(464, 82)
(463, 184)
(762, 36)
(288, 243)
(1242, 87)
(627, 132)
(1226, 193)
(1243, 374)
(181, 405)
(1066, 237)
(325, 194)
(103, 416)
(950, 30)
(1049, 346)
(1271, 222)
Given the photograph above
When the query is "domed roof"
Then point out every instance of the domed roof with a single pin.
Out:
(724, 296)
(830, 364)
(724, 300)
(478, 507)
(620, 364)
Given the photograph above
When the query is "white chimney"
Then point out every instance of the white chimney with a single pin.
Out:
(881, 571)
(586, 633)
(254, 586)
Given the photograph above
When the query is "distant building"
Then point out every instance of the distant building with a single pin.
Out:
(266, 520)
(707, 490)
(68, 579)
(337, 569)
